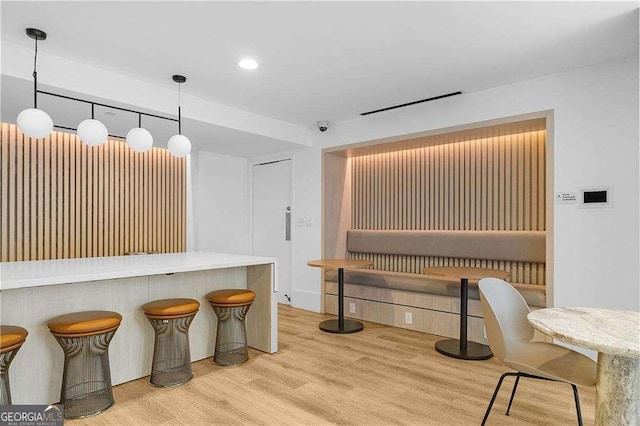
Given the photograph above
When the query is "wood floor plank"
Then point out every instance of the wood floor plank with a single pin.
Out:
(380, 376)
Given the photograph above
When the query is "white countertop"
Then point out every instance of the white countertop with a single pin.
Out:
(604, 330)
(38, 273)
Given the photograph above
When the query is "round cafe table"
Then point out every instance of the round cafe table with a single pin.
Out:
(340, 325)
(463, 349)
(616, 336)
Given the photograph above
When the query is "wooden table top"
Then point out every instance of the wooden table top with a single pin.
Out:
(340, 263)
(470, 273)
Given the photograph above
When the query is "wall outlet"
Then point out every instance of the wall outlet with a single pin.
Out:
(408, 318)
(352, 308)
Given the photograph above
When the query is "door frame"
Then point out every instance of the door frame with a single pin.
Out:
(268, 159)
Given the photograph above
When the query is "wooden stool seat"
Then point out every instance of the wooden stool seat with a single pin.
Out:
(11, 336)
(84, 323)
(235, 297)
(171, 308)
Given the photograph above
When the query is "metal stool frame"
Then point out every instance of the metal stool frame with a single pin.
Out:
(171, 364)
(6, 356)
(231, 336)
(86, 380)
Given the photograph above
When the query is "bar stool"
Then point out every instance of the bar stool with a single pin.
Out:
(231, 307)
(170, 319)
(11, 339)
(86, 379)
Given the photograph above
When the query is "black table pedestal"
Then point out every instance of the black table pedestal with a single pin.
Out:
(463, 349)
(474, 352)
(341, 325)
(333, 326)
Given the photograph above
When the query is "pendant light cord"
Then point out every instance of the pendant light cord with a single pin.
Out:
(35, 76)
(179, 109)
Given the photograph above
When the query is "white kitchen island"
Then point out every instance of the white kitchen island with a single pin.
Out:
(33, 292)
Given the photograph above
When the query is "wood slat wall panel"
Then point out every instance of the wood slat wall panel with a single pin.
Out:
(63, 199)
(494, 182)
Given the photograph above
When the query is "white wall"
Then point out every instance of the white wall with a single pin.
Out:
(596, 143)
(220, 203)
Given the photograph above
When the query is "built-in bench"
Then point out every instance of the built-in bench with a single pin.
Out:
(387, 296)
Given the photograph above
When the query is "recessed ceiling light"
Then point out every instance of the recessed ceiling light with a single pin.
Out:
(248, 64)
(110, 113)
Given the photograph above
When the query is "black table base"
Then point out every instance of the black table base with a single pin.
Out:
(333, 326)
(341, 325)
(474, 352)
(463, 349)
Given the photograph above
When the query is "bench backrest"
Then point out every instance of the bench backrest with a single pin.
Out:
(516, 246)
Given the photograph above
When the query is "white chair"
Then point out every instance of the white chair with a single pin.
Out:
(510, 334)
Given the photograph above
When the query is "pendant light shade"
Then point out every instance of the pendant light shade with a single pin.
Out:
(139, 139)
(92, 132)
(179, 145)
(35, 123)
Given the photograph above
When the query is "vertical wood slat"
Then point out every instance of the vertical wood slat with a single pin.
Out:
(18, 194)
(63, 199)
(495, 182)
(5, 185)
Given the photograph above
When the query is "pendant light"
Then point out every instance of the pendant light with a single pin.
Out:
(179, 145)
(34, 122)
(139, 138)
(92, 132)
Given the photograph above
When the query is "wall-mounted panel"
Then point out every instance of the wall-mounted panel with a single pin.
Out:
(493, 182)
(64, 199)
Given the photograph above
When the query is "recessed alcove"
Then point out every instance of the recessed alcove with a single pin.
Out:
(495, 175)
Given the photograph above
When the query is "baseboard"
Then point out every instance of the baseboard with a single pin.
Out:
(307, 300)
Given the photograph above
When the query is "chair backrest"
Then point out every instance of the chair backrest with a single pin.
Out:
(505, 316)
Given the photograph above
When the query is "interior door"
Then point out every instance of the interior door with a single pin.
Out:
(272, 219)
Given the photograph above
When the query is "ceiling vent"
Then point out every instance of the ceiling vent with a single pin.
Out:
(412, 103)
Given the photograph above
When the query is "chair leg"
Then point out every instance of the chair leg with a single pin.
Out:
(513, 394)
(578, 412)
(495, 394)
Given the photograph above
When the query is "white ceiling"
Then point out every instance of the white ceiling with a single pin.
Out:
(318, 60)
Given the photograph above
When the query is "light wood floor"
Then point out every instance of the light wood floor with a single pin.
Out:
(380, 376)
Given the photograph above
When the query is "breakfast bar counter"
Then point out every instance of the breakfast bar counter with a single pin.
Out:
(33, 292)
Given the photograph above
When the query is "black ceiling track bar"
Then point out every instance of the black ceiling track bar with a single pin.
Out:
(413, 103)
(272, 162)
(106, 106)
(75, 130)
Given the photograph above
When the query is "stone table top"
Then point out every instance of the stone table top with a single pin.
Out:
(609, 331)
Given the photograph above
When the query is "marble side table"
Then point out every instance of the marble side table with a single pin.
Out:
(616, 336)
